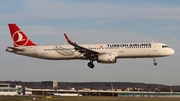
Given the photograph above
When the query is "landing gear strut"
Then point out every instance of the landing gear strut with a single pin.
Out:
(90, 64)
(155, 63)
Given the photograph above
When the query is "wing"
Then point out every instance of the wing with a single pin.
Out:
(87, 52)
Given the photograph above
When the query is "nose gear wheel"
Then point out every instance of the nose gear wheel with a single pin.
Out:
(155, 63)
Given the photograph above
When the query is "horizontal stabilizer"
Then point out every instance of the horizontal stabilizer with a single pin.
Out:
(10, 49)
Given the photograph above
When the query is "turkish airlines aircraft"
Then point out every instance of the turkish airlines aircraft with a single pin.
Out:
(102, 53)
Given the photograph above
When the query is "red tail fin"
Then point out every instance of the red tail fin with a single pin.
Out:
(18, 36)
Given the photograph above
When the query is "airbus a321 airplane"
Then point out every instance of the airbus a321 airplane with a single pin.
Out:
(102, 53)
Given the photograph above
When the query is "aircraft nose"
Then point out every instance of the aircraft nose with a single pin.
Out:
(172, 51)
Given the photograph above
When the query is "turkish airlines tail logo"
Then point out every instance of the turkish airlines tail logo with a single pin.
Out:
(18, 37)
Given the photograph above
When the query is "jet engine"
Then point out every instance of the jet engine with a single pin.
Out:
(107, 58)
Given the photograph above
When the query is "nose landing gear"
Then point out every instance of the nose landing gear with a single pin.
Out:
(155, 63)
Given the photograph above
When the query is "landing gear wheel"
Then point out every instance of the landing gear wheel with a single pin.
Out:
(155, 64)
(90, 64)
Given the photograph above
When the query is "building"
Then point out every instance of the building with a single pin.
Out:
(148, 94)
(50, 84)
(70, 92)
(89, 92)
(6, 90)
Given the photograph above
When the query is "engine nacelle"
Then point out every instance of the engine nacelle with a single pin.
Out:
(107, 58)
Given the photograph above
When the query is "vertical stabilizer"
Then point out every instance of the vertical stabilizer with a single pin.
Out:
(18, 36)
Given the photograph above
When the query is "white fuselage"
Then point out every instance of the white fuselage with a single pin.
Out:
(122, 50)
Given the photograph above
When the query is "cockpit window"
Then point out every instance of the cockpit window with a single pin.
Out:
(164, 46)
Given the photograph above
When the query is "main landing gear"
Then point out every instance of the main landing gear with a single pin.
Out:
(90, 64)
(155, 63)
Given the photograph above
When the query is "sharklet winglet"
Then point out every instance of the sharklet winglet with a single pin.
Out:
(68, 40)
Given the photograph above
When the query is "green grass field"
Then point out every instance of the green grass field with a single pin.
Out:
(89, 98)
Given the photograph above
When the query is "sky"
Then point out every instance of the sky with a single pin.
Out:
(91, 21)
